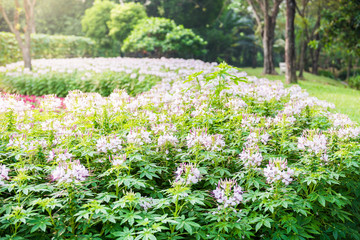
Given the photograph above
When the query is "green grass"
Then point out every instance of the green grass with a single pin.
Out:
(346, 100)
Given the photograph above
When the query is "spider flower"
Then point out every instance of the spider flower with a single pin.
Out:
(228, 193)
(187, 174)
(69, 172)
(278, 170)
(3, 174)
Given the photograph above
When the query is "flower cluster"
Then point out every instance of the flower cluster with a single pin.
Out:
(117, 160)
(138, 136)
(236, 104)
(147, 203)
(199, 137)
(346, 133)
(59, 155)
(251, 158)
(69, 172)
(187, 174)
(167, 139)
(278, 170)
(4, 171)
(109, 144)
(228, 193)
(314, 142)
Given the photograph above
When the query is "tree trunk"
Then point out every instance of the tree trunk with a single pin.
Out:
(262, 9)
(290, 42)
(268, 41)
(26, 51)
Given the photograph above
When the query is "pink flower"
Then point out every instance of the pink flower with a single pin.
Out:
(69, 172)
(228, 193)
(187, 174)
(3, 174)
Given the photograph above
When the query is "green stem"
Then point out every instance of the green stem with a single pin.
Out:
(51, 218)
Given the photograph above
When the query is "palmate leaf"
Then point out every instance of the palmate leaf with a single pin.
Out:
(125, 234)
(130, 217)
(39, 223)
(131, 182)
(187, 224)
(146, 234)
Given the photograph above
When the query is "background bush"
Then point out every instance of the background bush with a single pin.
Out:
(354, 82)
(157, 37)
(220, 132)
(94, 25)
(124, 18)
(61, 83)
(46, 46)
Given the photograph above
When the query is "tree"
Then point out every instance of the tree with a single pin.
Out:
(25, 46)
(342, 25)
(94, 22)
(290, 75)
(304, 36)
(124, 18)
(266, 11)
(157, 37)
(60, 17)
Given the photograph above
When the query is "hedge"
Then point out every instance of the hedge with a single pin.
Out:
(46, 46)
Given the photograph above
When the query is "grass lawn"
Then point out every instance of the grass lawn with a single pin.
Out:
(346, 100)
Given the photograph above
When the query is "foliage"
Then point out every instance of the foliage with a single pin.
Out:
(190, 13)
(354, 82)
(94, 22)
(94, 25)
(61, 83)
(342, 24)
(162, 37)
(343, 74)
(124, 18)
(232, 38)
(45, 46)
(251, 158)
(60, 17)
(326, 73)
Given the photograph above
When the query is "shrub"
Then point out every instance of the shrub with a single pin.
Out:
(343, 74)
(124, 17)
(46, 46)
(354, 82)
(211, 156)
(326, 73)
(61, 83)
(162, 37)
(94, 22)
(94, 25)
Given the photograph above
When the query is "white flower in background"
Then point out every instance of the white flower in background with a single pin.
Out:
(138, 136)
(107, 144)
(200, 137)
(167, 139)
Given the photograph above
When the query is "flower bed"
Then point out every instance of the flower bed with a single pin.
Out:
(217, 155)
